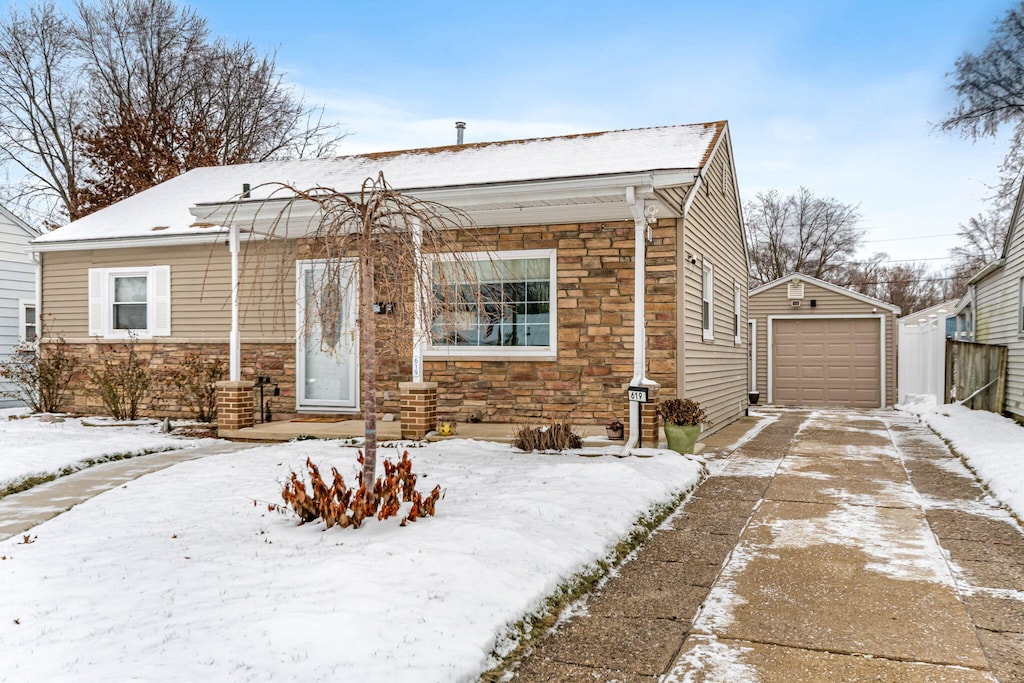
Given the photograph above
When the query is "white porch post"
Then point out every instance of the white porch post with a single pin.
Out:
(235, 342)
(419, 326)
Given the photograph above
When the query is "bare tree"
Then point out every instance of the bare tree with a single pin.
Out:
(911, 286)
(133, 92)
(41, 108)
(989, 87)
(389, 235)
(800, 233)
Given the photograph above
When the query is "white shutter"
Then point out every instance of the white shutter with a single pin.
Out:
(161, 301)
(96, 290)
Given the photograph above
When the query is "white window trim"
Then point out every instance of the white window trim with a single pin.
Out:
(707, 294)
(500, 352)
(1020, 307)
(158, 302)
(737, 307)
(23, 319)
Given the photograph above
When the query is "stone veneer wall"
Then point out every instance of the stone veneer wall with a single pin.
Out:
(595, 331)
(276, 360)
(586, 381)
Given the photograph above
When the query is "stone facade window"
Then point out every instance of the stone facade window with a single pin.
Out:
(505, 306)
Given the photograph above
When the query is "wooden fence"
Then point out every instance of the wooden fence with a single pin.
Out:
(971, 366)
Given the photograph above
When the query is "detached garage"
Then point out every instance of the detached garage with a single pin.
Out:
(817, 344)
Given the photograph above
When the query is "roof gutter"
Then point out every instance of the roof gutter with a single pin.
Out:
(986, 271)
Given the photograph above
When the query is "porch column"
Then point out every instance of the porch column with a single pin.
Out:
(236, 406)
(235, 342)
(419, 408)
(648, 432)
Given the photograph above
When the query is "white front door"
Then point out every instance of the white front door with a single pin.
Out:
(326, 368)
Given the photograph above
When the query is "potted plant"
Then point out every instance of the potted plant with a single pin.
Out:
(614, 430)
(683, 420)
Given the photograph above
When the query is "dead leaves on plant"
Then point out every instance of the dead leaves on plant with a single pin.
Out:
(339, 505)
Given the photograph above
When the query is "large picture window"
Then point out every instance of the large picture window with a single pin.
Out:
(130, 301)
(496, 304)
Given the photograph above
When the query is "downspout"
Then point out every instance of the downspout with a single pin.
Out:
(235, 341)
(638, 206)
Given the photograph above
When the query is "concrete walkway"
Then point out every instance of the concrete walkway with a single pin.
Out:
(20, 512)
(833, 546)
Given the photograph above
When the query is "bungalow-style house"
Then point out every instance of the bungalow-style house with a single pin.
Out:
(628, 247)
(992, 310)
(18, 322)
(818, 344)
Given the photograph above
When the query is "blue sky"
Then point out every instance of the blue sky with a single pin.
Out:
(839, 96)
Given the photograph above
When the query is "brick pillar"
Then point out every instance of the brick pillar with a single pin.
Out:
(650, 424)
(236, 405)
(419, 408)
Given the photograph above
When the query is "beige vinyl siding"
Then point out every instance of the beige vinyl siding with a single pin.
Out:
(997, 317)
(200, 290)
(714, 373)
(775, 302)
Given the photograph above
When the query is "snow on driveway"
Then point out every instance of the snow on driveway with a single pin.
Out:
(991, 444)
(179, 576)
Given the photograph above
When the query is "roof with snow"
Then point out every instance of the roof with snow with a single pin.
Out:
(163, 210)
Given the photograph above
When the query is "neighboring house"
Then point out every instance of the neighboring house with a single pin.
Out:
(18, 319)
(992, 310)
(566, 213)
(922, 351)
(818, 344)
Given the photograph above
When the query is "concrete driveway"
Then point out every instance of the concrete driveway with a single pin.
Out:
(832, 546)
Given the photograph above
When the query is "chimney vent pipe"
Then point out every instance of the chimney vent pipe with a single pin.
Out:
(460, 130)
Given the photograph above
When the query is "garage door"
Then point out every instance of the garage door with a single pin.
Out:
(827, 362)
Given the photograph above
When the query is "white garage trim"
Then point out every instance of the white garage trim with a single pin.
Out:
(753, 354)
(881, 346)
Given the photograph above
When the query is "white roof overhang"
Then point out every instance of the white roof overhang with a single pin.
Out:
(572, 200)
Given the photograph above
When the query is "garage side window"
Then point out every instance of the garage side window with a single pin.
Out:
(126, 302)
(708, 301)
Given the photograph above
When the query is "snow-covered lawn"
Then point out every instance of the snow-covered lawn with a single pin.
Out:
(179, 576)
(30, 448)
(993, 446)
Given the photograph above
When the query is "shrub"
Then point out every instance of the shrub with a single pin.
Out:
(121, 382)
(39, 377)
(196, 382)
(682, 411)
(338, 505)
(558, 436)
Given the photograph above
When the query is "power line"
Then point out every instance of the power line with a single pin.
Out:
(902, 239)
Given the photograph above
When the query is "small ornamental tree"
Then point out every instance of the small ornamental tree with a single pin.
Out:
(391, 236)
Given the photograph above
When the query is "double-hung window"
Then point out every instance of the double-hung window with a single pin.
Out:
(1020, 306)
(127, 302)
(494, 304)
(708, 301)
(737, 302)
(28, 327)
